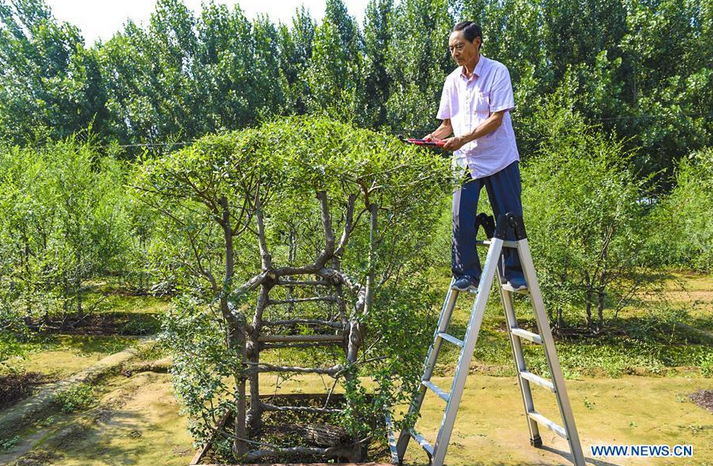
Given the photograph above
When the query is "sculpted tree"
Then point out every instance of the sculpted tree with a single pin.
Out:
(301, 235)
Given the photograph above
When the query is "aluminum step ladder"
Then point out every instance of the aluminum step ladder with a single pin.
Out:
(535, 420)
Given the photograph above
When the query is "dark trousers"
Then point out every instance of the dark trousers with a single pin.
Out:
(503, 190)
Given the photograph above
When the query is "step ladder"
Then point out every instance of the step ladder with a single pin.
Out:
(495, 243)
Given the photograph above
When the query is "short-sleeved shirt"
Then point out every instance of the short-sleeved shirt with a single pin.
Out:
(470, 101)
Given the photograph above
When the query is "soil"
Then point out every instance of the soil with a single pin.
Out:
(703, 398)
(16, 386)
(304, 429)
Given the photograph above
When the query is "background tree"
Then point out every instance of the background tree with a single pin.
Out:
(295, 45)
(335, 68)
(585, 218)
(682, 232)
(50, 86)
(418, 62)
(377, 41)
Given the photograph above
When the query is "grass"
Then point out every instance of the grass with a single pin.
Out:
(59, 356)
(132, 420)
(76, 398)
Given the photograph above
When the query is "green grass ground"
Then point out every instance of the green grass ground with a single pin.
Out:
(59, 356)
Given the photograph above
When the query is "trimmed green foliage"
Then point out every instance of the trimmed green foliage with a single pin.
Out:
(273, 173)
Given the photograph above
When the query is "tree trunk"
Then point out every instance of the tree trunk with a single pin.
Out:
(601, 295)
(255, 417)
(240, 446)
(237, 334)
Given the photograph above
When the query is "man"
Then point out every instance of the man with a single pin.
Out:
(475, 104)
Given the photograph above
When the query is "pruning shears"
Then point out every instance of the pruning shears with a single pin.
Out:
(424, 142)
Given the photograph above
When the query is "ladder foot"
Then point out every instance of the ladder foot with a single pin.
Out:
(536, 442)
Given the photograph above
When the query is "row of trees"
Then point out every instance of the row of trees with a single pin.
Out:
(640, 69)
(66, 217)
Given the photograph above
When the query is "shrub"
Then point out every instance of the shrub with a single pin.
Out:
(75, 398)
(706, 365)
(682, 226)
(302, 198)
(584, 217)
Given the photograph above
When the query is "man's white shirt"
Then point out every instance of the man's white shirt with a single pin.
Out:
(470, 101)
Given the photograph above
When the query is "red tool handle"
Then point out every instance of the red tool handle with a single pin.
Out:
(423, 142)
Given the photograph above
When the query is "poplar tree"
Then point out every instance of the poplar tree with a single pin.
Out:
(377, 41)
(418, 62)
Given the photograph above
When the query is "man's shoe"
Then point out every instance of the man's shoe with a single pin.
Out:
(517, 282)
(465, 283)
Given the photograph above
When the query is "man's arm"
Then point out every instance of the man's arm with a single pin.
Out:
(442, 132)
(488, 126)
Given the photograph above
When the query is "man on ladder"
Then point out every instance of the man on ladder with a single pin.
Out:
(476, 100)
(475, 107)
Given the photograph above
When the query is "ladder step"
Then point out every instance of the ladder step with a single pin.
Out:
(451, 338)
(540, 419)
(422, 441)
(437, 390)
(536, 379)
(506, 244)
(533, 337)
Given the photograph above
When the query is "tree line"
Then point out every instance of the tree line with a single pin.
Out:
(599, 220)
(641, 70)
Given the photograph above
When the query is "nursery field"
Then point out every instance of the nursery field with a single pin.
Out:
(625, 390)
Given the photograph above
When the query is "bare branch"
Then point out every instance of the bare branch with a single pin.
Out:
(347, 229)
(310, 344)
(301, 338)
(326, 224)
(287, 282)
(333, 371)
(331, 299)
(262, 239)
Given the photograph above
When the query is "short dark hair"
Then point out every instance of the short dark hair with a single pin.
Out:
(470, 30)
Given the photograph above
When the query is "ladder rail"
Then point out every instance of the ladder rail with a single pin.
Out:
(429, 363)
(466, 354)
(519, 358)
(555, 368)
(437, 451)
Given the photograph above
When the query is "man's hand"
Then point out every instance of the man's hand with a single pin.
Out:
(454, 143)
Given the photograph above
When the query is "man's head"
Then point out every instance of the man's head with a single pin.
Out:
(464, 43)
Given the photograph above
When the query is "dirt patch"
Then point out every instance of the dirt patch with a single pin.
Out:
(16, 386)
(309, 430)
(704, 399)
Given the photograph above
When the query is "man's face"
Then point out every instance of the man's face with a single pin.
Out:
(462, 50)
